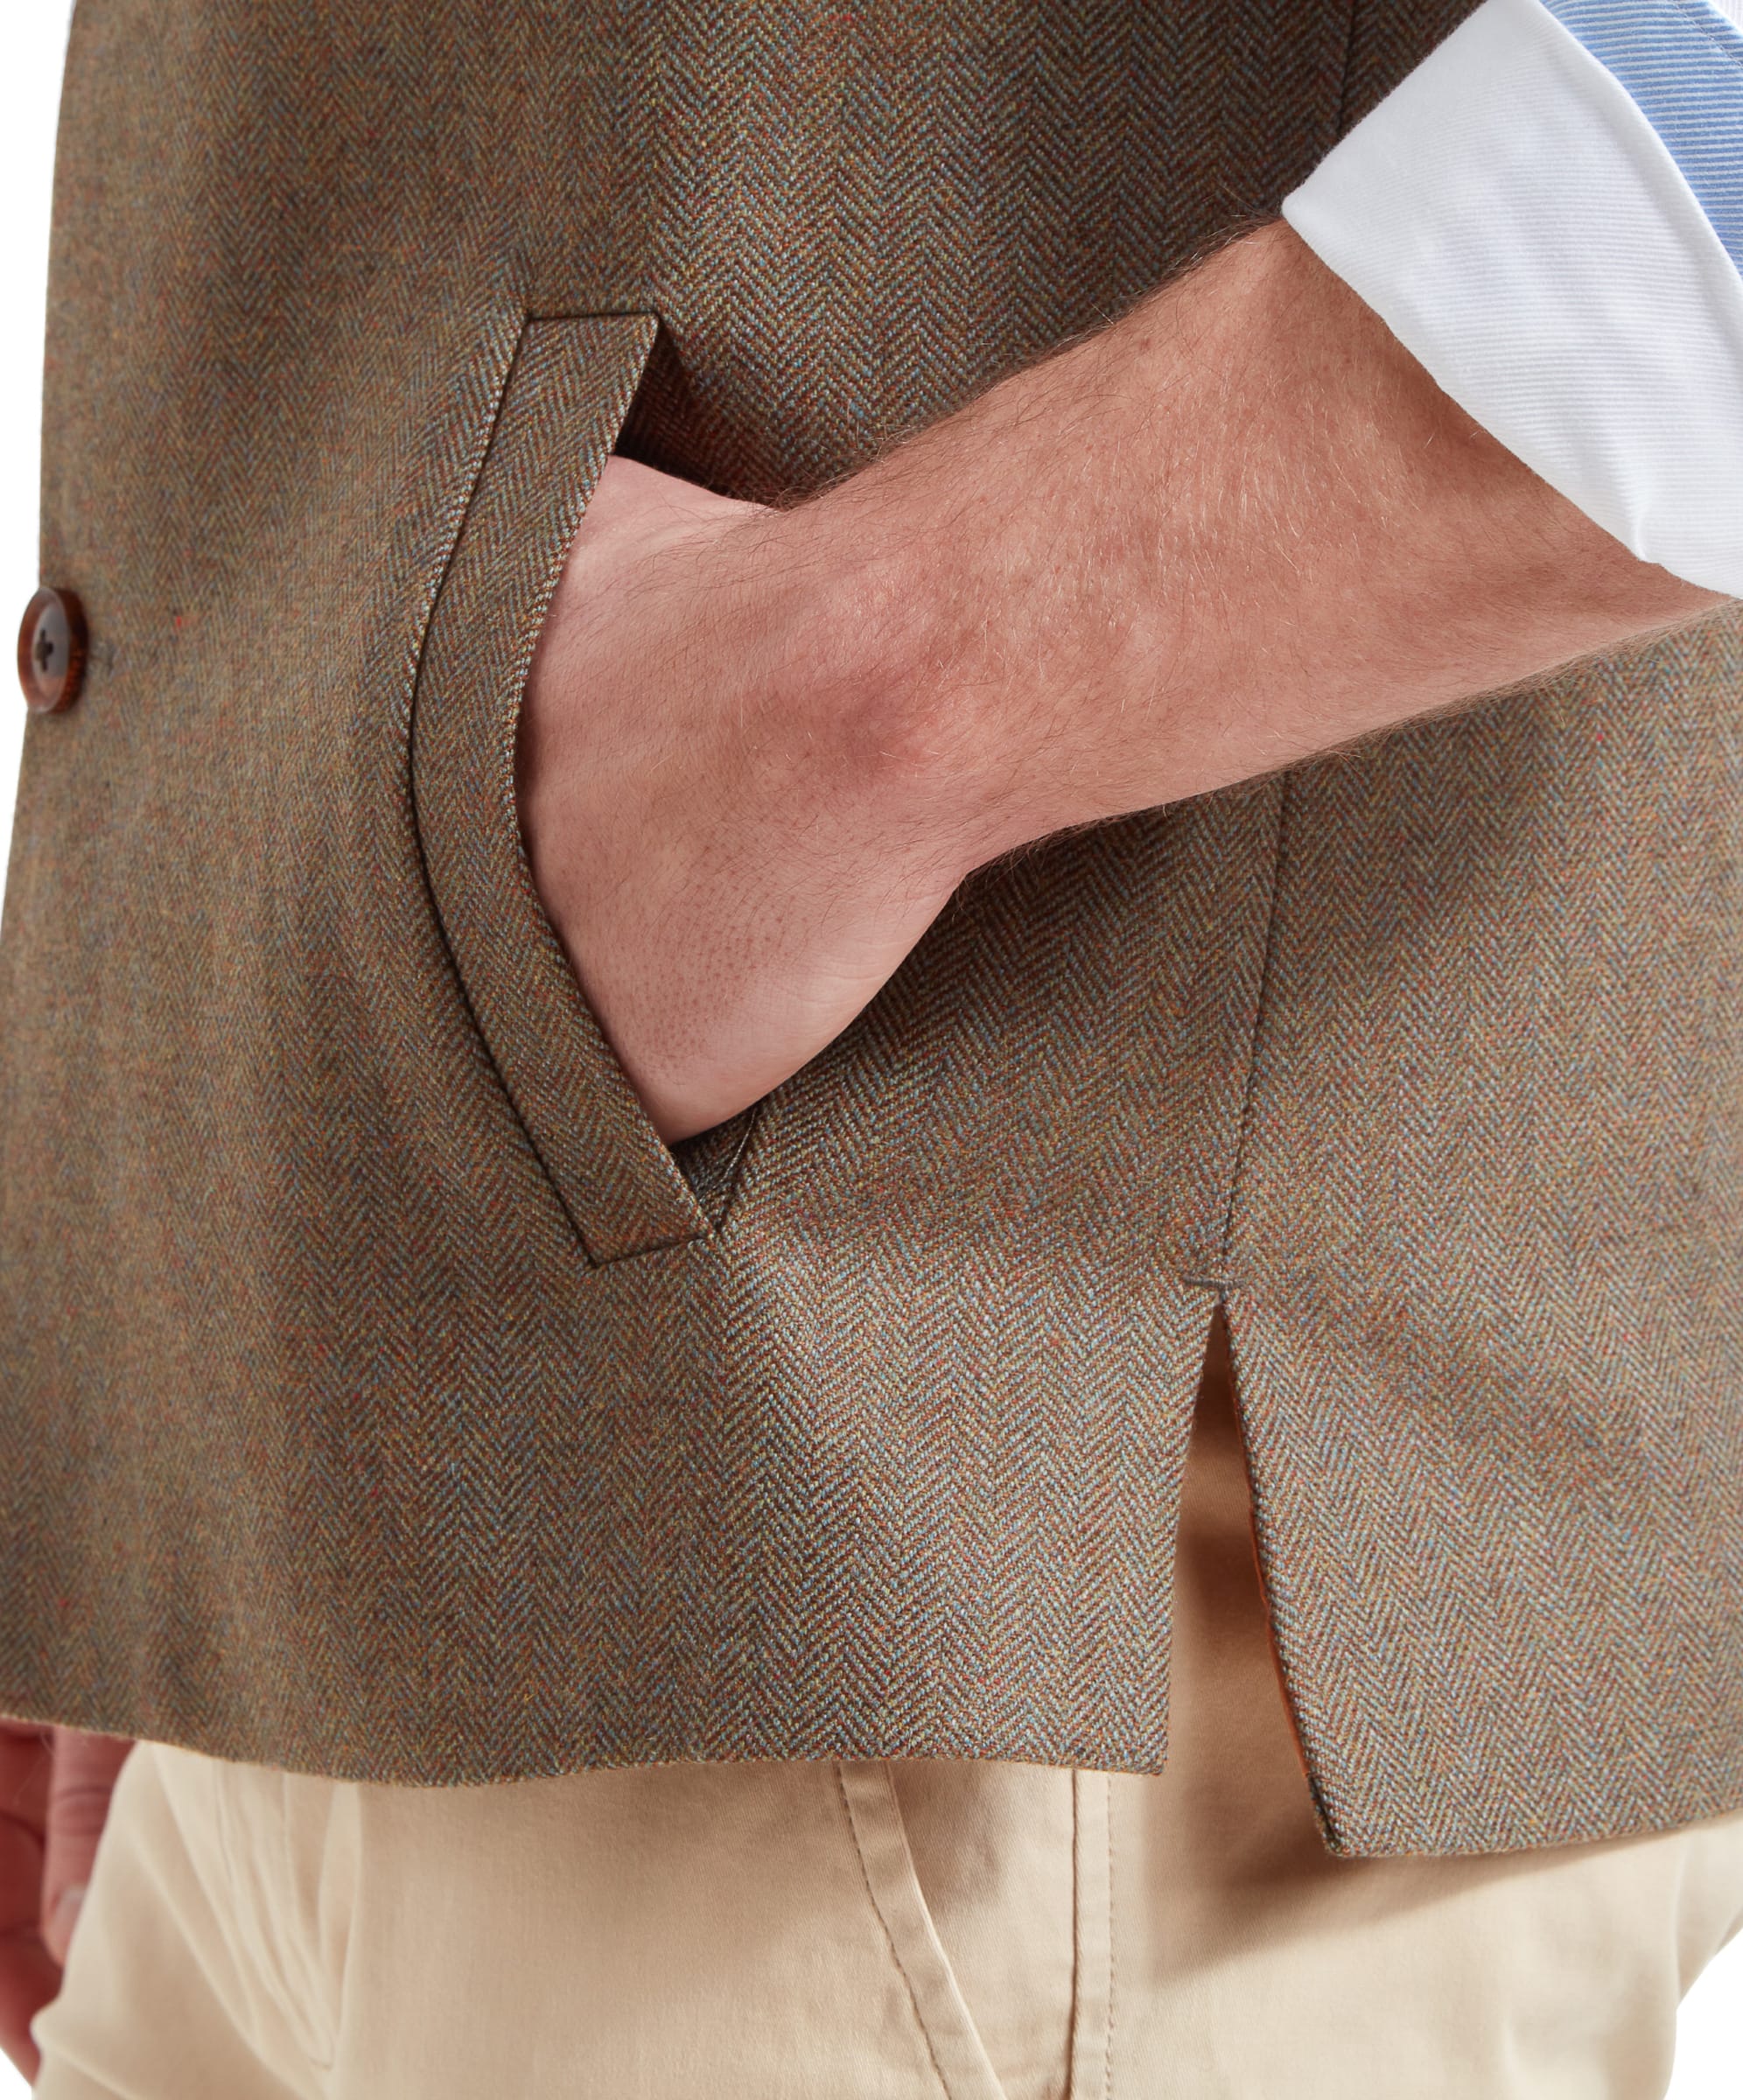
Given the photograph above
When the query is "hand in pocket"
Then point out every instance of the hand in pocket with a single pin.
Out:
(723, 834)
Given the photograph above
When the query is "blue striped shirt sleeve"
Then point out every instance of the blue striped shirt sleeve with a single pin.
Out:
(1681, 63)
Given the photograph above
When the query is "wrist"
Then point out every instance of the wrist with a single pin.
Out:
(861, 732)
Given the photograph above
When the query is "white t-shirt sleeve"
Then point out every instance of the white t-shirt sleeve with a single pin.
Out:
(1548, 213)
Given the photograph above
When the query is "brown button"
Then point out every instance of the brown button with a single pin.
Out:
(52, 651)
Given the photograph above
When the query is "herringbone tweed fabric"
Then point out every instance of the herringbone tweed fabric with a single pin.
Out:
(381, 1398)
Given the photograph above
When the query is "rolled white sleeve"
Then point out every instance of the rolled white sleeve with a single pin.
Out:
(1548, 212)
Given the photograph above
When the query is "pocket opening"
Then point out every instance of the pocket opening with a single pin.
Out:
(569, 389)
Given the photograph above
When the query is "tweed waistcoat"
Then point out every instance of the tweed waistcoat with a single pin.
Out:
(383, 1398)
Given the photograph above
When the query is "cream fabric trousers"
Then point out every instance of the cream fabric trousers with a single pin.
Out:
(877, 1931)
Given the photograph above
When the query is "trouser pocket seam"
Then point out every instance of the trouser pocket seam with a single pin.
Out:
(874, 1816)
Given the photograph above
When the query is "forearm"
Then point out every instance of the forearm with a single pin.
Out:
(1241, 526)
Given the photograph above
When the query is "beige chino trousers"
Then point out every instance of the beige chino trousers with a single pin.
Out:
(877, 1930)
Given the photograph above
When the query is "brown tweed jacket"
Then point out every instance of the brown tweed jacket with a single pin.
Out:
(381, 1397)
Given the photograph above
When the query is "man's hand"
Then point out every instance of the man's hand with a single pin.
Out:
(55, 1785)
(1238, 527)
(732, 872)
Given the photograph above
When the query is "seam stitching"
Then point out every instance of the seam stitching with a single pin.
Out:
(884, 1926)
(465, 508)
(1707, 30)
(1249, 1086)
(1108, 2052)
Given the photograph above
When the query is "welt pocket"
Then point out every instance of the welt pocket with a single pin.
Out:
(569, 388)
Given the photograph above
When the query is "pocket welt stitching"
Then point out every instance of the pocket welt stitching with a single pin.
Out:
(569, 388)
